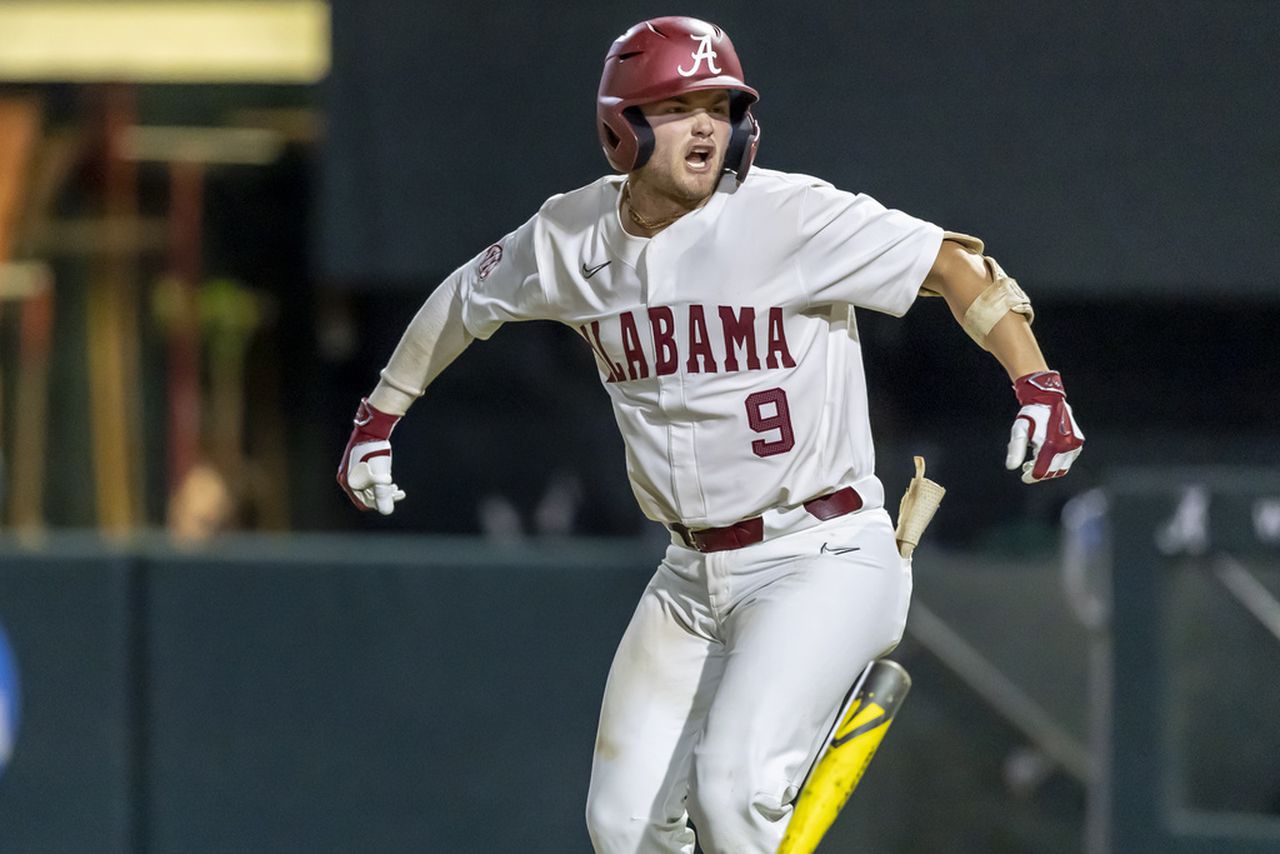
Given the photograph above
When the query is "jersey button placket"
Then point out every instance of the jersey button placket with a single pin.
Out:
(660, 288)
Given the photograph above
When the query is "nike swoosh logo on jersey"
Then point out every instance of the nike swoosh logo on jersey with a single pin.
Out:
(840, 550)
(588, 272)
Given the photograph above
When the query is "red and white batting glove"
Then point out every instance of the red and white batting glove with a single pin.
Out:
(365, 471)
(1044, 422)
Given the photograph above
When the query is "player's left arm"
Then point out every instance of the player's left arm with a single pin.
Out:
(997, 314)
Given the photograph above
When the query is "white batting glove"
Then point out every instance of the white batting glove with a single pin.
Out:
(365, 471)
(1046, 425)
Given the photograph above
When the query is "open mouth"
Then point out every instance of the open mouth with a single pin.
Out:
(698, 158)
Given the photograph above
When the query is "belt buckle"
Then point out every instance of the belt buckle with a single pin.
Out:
(688, 537)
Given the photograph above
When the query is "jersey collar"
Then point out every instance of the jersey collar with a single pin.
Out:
(680, 234)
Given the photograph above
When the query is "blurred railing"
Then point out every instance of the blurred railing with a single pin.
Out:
(1181, 755)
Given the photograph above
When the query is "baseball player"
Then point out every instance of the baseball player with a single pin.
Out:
(719, 302)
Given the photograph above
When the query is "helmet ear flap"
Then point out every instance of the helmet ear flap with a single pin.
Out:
(743, 140)
(644, 135)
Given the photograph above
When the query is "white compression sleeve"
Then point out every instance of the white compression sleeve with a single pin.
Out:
(435, 337)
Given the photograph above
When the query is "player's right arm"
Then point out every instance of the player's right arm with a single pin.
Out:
(500, 284)
(435, 337)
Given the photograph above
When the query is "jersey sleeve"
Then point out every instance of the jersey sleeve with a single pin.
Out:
(502, 284)
(856, 251)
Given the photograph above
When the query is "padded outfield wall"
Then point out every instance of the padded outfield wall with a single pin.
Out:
(397, 694)
(400, 694)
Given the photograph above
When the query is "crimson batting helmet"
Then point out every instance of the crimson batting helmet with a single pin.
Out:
(658, 59)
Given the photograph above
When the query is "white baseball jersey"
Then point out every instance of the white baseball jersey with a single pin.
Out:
(726, 342)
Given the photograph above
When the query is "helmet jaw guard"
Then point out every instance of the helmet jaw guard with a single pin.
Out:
(743, 142)
(658, 59)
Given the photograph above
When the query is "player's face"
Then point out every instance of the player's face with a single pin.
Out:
(691, 133)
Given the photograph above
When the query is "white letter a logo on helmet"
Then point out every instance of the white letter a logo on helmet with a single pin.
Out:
(704, 51)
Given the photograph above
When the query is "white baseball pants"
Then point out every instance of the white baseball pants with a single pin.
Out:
(728, 680)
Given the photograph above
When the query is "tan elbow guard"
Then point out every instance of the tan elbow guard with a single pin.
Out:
(997, 299)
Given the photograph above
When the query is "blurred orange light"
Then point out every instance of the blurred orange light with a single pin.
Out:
(162, 41)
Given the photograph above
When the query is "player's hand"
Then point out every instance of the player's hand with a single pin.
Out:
(1046, 424)
(365, 471)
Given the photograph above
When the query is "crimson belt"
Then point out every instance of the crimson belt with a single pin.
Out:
(751, 531)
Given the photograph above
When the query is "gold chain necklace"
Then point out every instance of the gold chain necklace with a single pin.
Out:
(643, 221)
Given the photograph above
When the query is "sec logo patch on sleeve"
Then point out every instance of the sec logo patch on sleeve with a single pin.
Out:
(488, 261)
